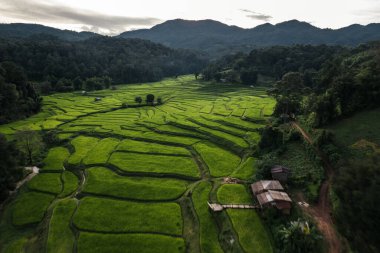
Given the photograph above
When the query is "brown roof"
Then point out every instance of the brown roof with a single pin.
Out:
(265, 185)
(279, 169)
(274, 197)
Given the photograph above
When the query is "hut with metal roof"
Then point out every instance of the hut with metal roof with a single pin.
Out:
(266, 185)
(277, 199)
(280, 173)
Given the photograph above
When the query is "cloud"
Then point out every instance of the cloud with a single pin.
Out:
(256, 15)
(39, 11)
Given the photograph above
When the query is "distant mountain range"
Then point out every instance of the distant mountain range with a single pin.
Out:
(210, 35)
(217, 38)
(19, 30)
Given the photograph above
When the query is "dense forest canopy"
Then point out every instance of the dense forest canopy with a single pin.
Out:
(18, 97)
(46, 58)
(322, 82)
(52, 64)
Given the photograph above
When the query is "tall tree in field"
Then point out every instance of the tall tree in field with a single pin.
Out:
(149, 99)
(29, 142)
(138, 100)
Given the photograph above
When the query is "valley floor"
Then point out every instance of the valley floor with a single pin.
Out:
(138, 179)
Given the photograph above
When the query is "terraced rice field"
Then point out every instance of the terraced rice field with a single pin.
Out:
(138, 179)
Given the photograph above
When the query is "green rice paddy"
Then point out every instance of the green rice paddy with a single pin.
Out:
(138, 179)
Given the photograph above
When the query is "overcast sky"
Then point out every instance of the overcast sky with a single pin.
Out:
(115, 16)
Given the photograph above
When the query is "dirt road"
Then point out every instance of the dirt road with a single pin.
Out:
(322, 211)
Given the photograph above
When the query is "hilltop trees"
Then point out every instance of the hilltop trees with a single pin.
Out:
(288, 93)
(63, 64)
(18, 97)
(248, 76)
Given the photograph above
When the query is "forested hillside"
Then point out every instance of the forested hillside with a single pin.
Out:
(52, 64)
(322, 87)
(18, 97)
(19, 30)
(323, 82)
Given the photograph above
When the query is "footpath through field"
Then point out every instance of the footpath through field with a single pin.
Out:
(321, 212)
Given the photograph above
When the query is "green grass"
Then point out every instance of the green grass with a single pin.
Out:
(104, 215)
(70, 183)
(137, 161)
(131, 162)
(101, 152)
(46, 182)
(129, 243)
(17, 246)
(147, 147)
(251, 232)
(246, 170)
(105, 182)
(233, 194)
(82, 145)
(30, 207)
(363, 125)
(219, 161)
(61, 238)
(208, 231)
(55, 158)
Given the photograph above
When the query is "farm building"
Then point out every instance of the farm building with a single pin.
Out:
(280, 173)
(97, 99)
(280, 200)
(266, 185)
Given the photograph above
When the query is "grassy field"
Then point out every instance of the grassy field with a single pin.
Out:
(105, 182)
(220, 162)
(252, 235)
(56, 158)
(138, 179)
(30, 208)
(129, 243)
(46, 182)
(358, 127)
(104, 215)
(60, 237)
(148, 163)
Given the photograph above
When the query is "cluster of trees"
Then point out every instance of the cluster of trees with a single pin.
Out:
(357, 209)
(345, 84)
(67, 85)
(18, 98)
(273, 62)
(10, 172)
(322, 82)
(63, 65)
(149, 100)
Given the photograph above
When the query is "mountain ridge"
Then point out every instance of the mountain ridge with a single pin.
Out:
(217, 38)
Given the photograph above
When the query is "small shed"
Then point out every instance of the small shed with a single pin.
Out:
(280, 173)
(277, 199)
(97, 99)
(266, 185)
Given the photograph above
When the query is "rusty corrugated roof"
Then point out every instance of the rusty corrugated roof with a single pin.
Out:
(265, 185)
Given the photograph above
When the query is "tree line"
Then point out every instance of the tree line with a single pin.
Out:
(64, 66)
(323, 82)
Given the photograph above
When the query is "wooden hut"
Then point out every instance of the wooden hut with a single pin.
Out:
(266, 185)
(280, 173)
(277, 199)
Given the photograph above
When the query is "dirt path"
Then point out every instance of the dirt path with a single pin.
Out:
(34, 171)
(321, 212)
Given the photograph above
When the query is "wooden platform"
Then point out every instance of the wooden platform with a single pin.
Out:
(218, 207)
